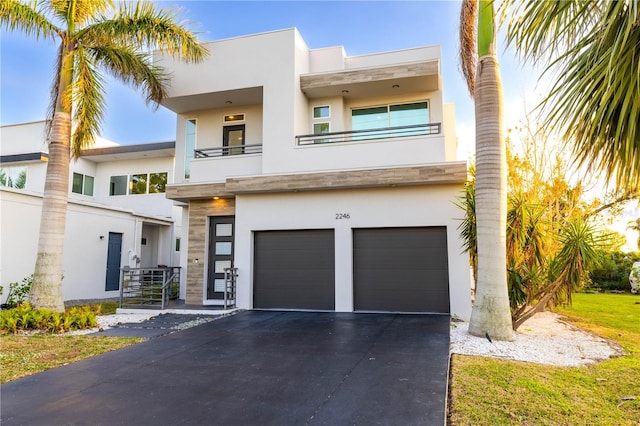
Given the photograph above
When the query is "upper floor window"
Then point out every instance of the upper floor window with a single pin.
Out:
(13, 177)
(190, 146)
(321, 124)
(139, 183)
(322, 111)
(82, 184)
(390, 116)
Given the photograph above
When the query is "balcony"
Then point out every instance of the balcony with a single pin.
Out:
(370, 134)
(216, 164)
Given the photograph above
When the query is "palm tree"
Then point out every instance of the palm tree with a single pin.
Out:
(590, 50)
(491, 315)
(92, 35)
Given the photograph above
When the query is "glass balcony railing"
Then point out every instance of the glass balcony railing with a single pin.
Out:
(370, 134)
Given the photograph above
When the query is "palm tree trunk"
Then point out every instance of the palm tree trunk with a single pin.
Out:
(491, 312)
(46, 290)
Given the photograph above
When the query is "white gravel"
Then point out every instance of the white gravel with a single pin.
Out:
(543, 339)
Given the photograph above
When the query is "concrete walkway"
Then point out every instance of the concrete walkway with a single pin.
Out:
(253, 368)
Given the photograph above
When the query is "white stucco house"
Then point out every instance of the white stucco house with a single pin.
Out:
(117, 214)
(327, 180)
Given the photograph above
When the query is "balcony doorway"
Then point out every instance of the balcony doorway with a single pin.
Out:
(233, 140)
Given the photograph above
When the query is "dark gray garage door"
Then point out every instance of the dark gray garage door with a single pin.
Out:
(294, 270)
(401, 270)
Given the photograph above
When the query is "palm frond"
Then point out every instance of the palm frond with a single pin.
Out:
(29, 19)
(590, 49)
(544, 29)
(88, 102)
(79, 12)
(144, 26)
(132, 68)
(468, 50)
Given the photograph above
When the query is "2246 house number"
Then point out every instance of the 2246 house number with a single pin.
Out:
(343, 216)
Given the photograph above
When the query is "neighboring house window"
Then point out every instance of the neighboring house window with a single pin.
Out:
(139, 183)
(118, 185)
(157, 182)
(190, 146)
(13, 177)
(321, 125)
(381, 117)
(82, 184)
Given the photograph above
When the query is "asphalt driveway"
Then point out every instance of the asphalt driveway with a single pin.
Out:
(253, 368)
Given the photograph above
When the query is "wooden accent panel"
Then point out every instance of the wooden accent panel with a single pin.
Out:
(313, 81)
(195, 191)
(199, 211)
(444, 173)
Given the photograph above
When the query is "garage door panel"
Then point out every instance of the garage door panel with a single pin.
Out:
(401, 269)
(294, 270)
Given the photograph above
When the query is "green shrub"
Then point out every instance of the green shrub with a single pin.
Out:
(24, 317)
(18, 292)
(613, 273)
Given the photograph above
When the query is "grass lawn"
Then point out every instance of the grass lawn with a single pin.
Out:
(22, 355)
(489, 391)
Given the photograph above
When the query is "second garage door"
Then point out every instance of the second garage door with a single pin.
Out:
(294, 270)
(401, 270)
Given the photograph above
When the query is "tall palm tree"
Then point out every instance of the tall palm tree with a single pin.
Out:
(491, 313)
(92, 35)
(590, 50)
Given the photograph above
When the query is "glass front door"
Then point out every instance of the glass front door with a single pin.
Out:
(221, 233)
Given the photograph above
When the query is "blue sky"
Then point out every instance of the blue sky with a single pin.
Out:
(360, 26)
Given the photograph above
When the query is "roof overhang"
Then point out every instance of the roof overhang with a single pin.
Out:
(379, 81)
(130, 152)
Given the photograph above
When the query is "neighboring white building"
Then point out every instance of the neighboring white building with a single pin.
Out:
(328, 181)
(117, 215)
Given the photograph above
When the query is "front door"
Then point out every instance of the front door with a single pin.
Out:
(114, 254)
(221, 231)
(233, 136)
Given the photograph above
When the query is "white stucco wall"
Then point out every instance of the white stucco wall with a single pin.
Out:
(85, 254)
(369, 208)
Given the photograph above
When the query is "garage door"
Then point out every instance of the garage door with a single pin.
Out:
(294, 270)
(401, 270)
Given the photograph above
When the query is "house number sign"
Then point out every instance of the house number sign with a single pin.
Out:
(343, 216)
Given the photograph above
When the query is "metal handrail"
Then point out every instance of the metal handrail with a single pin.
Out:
(230, 275)
(146, 287)
(370, 134)
(221, 151)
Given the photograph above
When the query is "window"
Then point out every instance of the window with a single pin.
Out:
(319, 128)
(321, 111)
(190, 146)
(233, 117)
(157, 182)
(88, 185)
(13, 177)
(320, 125)
(118, 185)
(138, 184)
(177, 244)
(82, 184)
(382, 117)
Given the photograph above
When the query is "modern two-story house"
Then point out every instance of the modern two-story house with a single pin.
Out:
(117, 214)
(328, 181)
